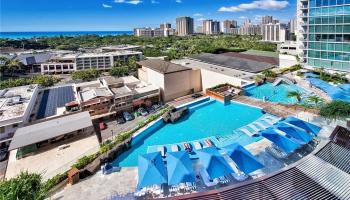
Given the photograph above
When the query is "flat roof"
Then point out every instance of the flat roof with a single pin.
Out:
(162, 66)
(196, 64)
(265, 59)
(121, 91)
(35, 133)
(14, 101)
(242, 64)
(90, 93)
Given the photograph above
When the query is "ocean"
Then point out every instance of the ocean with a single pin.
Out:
(28, 35)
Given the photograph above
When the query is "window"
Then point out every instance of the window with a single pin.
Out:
(2, 129)
(14, 125)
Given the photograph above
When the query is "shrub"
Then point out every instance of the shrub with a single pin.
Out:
(42, 80)
(119, 71)
(336, 110)
(24, 186)
(52, 182)
(86, 75)
(85, 160)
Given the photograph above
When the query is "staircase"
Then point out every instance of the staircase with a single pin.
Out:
(283, 79)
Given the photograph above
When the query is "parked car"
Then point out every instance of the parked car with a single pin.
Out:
(143, 111)
(127, 116)
(120, 120)
(155, 106)
(195, 96)
(102, 125)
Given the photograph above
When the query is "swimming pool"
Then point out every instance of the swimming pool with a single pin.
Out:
(212, 119)
(274, 93)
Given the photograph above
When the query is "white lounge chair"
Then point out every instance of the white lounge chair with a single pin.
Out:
(276, 152)
(250, 134)
(161, 149)
(174, 148)
(253, 127)
(197, 145)
(261, 124)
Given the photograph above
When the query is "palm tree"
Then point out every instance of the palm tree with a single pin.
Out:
(14, 65)
(315, 99)
(3, 64)
(269, 73)
(295, 94)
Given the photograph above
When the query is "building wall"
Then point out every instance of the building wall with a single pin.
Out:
(150, 76)
(324, 34)
(184, 26)
(287, 60)
(211, 79)
(182, 83)
(53, 68)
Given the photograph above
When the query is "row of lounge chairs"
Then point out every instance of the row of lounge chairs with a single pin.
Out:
(187, 146)
(154, 190)
(183, 187)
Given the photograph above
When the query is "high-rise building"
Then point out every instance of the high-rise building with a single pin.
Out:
(266, 19)
(292, 25)
(228, 25)
(250, 29)
(210, 27)
(184, 26)
(165, 26)
(324, 34)
(143, 32)
(274, 32)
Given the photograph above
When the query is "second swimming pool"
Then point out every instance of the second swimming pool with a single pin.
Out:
(212, 119)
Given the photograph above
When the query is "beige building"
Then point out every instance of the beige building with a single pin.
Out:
(274, 32)
(184, 26)
(173, 80)
(211, 27)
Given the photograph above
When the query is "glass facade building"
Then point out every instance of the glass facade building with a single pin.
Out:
(325, 33)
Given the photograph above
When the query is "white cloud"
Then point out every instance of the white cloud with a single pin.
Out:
(154, 2)
(134, 2)
(178, 1)
(106, 6)
(201, 19)
(259, 4)
(197, 14)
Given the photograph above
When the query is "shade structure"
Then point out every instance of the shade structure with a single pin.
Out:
(215, 165)
(244, 160)
(311, 75)
(179, 168)
(294, 132)
(303, 124)
(282, 142)
(151, 170)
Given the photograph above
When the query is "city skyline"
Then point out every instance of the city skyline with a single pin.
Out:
(124, 15)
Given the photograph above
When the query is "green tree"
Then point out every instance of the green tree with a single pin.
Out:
(132, 63)
(269, 73)
(295, 94)
(14, 65)
(316, 100)
(25, 186)
(335, 110)
(119, 71)
(86, 75)
(3, 63)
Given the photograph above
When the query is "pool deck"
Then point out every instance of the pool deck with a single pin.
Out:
(274, 108)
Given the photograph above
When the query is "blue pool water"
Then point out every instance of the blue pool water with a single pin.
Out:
(213, 119)
(274, 93)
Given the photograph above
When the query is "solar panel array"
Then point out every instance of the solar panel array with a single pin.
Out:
(53, 99)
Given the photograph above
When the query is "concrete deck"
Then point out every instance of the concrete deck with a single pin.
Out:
(50, 162)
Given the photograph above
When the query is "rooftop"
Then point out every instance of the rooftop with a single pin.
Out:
(242, 64)
(162, 66)
(121, 91)
(258, 58)
(90, 93)
(39, 132)
(14, 101)
(195, 64)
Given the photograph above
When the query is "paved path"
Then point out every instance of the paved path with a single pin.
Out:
(101, 186)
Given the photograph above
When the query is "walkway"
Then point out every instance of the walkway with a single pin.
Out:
(275, 108)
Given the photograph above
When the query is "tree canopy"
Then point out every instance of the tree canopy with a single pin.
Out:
(336, 110)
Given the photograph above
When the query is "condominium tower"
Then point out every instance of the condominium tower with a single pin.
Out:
(184, 26)
(229, 25)
(324, 34)
(211, 27)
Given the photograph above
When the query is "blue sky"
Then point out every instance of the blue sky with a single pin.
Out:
(113, 15)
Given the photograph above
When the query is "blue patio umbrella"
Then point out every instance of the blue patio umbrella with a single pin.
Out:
(151, 170)
(179, 167)
(294, 132)
(311, 75)
(345, 87)
(303, 124)
(244, 160)
(282, 142)
(215, 165)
